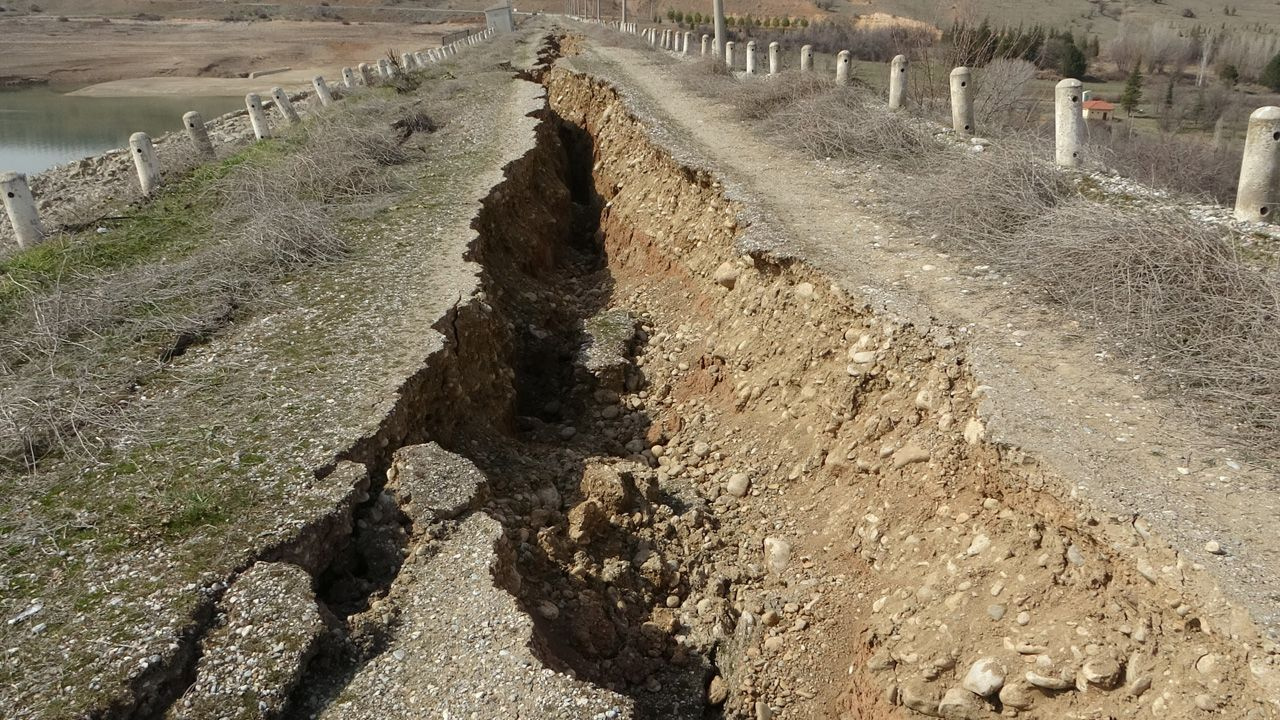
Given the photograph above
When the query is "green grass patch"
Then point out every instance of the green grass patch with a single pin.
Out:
(176, 222)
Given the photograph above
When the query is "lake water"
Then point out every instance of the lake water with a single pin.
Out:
(41, 127)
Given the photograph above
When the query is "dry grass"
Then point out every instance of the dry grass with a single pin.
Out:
(75, 343)
(1179, 164)
(811, 113)
(1171, 292)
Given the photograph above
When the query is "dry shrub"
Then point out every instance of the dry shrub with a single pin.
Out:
(983, 200)
(1166, 161)
(845, 123)
(1173, 292)
(761, 98)
(1176, 294)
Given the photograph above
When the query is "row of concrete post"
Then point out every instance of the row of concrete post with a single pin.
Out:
(1258, 194)
(19, 202)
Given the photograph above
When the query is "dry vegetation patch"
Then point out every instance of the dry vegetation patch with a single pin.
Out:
(85, 317)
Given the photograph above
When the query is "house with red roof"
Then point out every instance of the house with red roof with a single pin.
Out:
(1100, 110)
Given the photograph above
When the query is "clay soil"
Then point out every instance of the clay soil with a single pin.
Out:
(94, 50)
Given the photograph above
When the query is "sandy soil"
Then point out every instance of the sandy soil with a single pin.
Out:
(193, 56)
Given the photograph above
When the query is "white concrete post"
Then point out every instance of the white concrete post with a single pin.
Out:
(145, 161)
(21, 208)
(348, 78)
(729, 47)
(842, 68)
(624, 13)
(366, 75)
(962, 101)
(688, 40)
(717, 8)
(897, 82)
(1068, 117)
(773, 58)
(322, 90)
(406, 62)
(384, 68)
(285, 107)
(705, 40)
(198, 133)
(806, 58)
(258, 117)
(1258, 199)
(751, 57)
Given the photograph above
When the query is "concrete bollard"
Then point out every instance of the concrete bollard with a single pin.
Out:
(751, 57)
(384, 69)
(842, 67)
(1068, 123)
(322, 91)
(406, 62)
(366, 75)
(145, 162)
(285, 107)
(198, 133)
(1258, 199)
(897, 82)
(688, 40)
(773, 58)
(348, 78)
(257, 116)
(962, 101)
(706, 39)
(717, 8)
(806, 58)
(21, 208)
(729, 47)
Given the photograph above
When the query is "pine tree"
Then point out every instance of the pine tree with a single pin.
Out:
(1271, 75)
(1132, 94)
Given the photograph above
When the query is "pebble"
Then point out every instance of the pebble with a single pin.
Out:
(718, 691)
(1102, 672)
(1016, 695)
(701, 449)
(1046, 682)
(567, 432)
(777, 553)
(979, 543)
(959, 704)
(1214, 548)
(1023, 618)
(921, 698)
(909, 455)
(985, 677)
(738, 485)
(726, 275)
(996, 611)
(1148, 572)
(1074, 556)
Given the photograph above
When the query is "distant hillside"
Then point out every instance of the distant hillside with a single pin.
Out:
(1102, 17)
